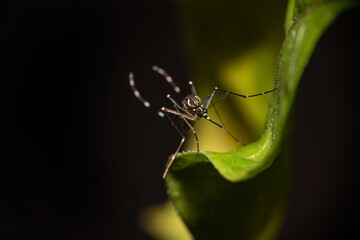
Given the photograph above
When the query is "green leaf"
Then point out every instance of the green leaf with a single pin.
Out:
(229, 195)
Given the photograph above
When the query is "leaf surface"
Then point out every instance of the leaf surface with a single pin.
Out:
(229, 195)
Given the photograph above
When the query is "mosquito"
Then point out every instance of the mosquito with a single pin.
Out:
(190, 110)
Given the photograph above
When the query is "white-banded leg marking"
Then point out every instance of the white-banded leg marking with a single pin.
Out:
(244, 96)
(236, 94)
(136, 92)
(167, 77)
(210, 104)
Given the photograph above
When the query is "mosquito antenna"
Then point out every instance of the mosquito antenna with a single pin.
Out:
(167, 78)
(136, 92)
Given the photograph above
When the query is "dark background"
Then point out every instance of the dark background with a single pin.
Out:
(77, 159)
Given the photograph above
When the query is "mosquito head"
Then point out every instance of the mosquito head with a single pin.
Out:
(199, 111)
(203, 112)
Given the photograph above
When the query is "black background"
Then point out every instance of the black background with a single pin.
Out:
(77, 152)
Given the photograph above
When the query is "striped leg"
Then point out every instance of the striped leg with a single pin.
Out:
(184, 116)
(167, 78)
(136, 92)
(209, 99)
(244, 96)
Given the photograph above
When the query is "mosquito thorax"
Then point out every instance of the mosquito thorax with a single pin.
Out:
(193, 104)
(191, 101)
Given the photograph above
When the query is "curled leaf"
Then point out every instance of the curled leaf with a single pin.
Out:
(229, 195)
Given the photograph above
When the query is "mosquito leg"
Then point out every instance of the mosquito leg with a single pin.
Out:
(209, 99)
(245, 96)
(138, 95)
(187, 114)
(208, 104)
(179, 147)
(136, 92)
(184, 117)
(223, 126)
(168, 97)
(218, 100)
(167, 77)
(192, 129)
(192, 88)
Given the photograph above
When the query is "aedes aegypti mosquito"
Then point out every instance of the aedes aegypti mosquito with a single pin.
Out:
(190, 109)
